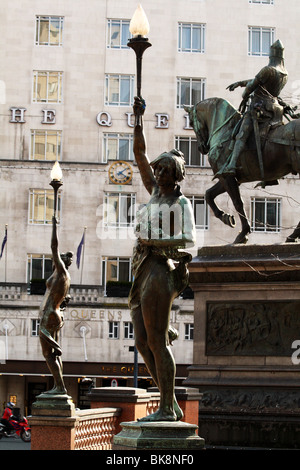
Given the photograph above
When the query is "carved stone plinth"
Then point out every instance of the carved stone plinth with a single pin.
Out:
(47, 404)
(162, 435)
(246, 328)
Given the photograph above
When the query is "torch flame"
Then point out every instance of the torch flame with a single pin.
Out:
(139, 25)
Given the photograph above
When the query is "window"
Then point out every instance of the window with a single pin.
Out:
(113, 332)
(189, 147)
(35, 327)
(117, 147)
(119, 209)
(45, 145)
(191, 37)
(41, 202)
(39, 266)
(190, 91)
(265, 214)
(189, 331)
(118, 34)
(119, 90)
(116, 269)
(200, 212)
(260, 40)
(47, 87)
(267, 2)
(128, 330)
(49, 30)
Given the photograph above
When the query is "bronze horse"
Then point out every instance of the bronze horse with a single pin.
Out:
(214, 121)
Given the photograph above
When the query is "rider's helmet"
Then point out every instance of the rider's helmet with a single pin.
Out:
(10, 405)
(277, 49)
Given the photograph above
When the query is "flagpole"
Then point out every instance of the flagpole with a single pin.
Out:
(5, 275)
(82, 255)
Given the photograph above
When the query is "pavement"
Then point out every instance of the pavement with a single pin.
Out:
(14, 443)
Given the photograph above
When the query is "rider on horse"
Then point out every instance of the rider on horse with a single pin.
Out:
(266, 108)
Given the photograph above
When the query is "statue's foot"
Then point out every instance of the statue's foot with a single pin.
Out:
(159, 415)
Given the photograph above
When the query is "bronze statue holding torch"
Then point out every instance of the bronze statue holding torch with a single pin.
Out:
(55, 299)
(165, 225)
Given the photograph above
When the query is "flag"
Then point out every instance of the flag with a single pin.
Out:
(3, 243)
(79, 250)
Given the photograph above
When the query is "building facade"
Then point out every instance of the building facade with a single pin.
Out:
(66, 92)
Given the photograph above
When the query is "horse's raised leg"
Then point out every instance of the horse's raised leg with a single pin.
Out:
(210, 196)
(232, 187)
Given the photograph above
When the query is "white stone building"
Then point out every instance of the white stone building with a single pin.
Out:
(66, 89)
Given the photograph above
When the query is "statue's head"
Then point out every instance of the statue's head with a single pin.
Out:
(277, 50)
(67, 258)
(175, 163)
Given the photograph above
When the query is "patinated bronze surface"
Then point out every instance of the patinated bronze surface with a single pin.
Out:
(51, 312)
(237, 154)
(165, 225)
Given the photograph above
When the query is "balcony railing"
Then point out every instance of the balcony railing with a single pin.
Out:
(95, 429)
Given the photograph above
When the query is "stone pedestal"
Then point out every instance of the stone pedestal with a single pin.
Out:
(52, 423)
(247, 318)
(158, 436)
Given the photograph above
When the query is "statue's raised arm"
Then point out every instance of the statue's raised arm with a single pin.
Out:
(139, 146)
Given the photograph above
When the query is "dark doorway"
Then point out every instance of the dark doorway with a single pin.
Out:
(34, 389)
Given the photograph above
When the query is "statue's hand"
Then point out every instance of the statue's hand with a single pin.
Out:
(233, 86)
(139, 106)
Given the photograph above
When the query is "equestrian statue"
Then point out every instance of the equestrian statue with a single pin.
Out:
(252, 143)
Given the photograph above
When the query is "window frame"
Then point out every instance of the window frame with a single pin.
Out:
(38, 19)
(118, 136)
(192, 199)
(47, 73)
(43, 258)
(193, 27)
(122, 23)
(46, 133)
(128, 330)
(119, 224)
(118, 259)
(43, 193)
(113, 330)
(107, 90)
(259, 29)
(189, 331)
(189, 81)
(262, 2)
(35, 327)
(264, 224)
(190, 140)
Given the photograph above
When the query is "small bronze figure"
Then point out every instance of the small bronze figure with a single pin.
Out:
(165, 225)
(51, 312)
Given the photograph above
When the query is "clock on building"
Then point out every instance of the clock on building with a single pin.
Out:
(120, 172)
